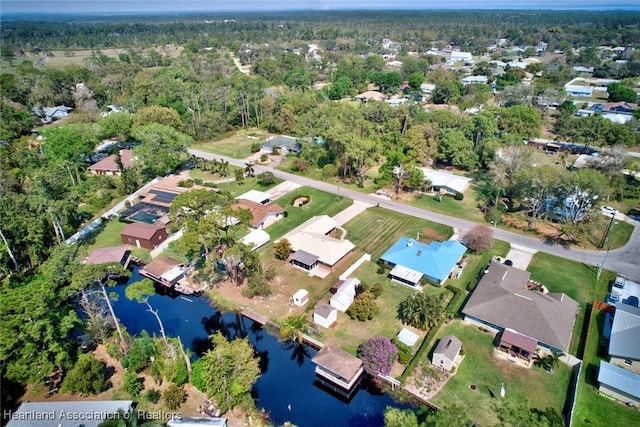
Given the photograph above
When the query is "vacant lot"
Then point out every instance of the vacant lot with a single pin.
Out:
(574, 279)
(235, 144)
(533, 387)
(592, 409)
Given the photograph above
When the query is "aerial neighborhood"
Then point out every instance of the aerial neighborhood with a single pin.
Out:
(401, 218)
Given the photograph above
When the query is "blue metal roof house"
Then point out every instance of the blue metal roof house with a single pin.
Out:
(412, 260)
(619, 383)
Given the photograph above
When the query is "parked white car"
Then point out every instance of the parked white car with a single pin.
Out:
(608, 211)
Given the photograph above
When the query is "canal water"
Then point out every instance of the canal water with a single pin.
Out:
(286, 388)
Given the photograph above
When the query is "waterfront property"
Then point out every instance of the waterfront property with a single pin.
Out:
(619, 383)
(142, 235)
(71, 413)
(324, 315)
(338, 370)
(256, 239)
(502, 300)
(119, 254)
(411, 260)
(446, 352)
(345, 294)
(164, 270)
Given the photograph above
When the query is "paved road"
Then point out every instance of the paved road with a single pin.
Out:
(625, 260)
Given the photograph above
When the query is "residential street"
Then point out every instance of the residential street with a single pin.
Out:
(625, 260)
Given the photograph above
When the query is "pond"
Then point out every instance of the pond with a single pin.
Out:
(286, 389)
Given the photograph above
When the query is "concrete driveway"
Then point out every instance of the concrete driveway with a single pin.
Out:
(521, 256)
(282, 189)
(351, 212)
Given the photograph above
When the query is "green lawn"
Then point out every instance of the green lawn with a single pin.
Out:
(234, 187)
(235, 144)
(574, 279)
(376, 229)
(321, 204)
(109, 235)
(590, 408)
(351, 333)
(533, 387)
(466, 208)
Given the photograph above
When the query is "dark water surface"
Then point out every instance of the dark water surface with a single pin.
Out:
(287, 372)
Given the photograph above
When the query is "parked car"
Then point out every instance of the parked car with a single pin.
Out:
(608, 211)
(633, 301)
(612, 299)
(618, 286)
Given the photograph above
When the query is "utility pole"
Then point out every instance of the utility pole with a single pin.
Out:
(606, 232)
(601, 266)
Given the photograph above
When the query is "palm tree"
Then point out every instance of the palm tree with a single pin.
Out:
(293, 327)
(223, 167)
(249, 169)
(213, 166)
(552, 360)
(421, 311)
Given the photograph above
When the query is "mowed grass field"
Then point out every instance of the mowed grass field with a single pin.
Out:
(591, 409)
(376, 229)
(533, 387)
(575, 279)
(235, 144)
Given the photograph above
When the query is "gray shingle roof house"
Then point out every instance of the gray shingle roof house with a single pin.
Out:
(67, 414)
(283, 143)
(501, 300)
(446, 353)
(624, 344)
(619, 383)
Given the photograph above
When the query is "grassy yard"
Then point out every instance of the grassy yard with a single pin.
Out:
(321, 204)
(466, 208)
(234, 187)
(592, 409)
(376, 229)
(533, 387)
(235, 144)
(109, 235)
(574, 279)
(349, 334)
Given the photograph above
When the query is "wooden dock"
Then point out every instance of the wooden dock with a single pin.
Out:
(256, 317)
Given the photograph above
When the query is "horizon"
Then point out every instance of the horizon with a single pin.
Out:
(93, 7)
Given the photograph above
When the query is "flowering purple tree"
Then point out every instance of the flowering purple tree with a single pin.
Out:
(378, 355)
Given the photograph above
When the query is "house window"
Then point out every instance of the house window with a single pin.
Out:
(442, 361)
(627, 362)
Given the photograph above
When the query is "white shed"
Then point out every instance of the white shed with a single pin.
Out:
(325, 315)
(256, 238)
(301, 297)
(344, 296)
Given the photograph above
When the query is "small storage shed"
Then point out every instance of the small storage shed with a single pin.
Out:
(344, 296)
(446, 353)
(325, 315)
(301, 297)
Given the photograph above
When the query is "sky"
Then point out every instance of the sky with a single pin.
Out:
(123, 6)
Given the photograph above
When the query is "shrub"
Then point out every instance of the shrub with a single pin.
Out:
(186, 183)
(479, 238)
(282, 249)
(376, 289)
(133, 384)
(266, 178)
(364, 307)
(329, 171)
(378, 355)
(173, 396)
(139, 354)
(300, 165)
(256, 286)
(178, 372)
(405, 353)
(459, 196)
(86, 377)
(255, 147)
(264, 157)
(152, 395)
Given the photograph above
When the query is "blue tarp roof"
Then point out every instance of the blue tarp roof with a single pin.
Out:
(619, 379)
(435, 260)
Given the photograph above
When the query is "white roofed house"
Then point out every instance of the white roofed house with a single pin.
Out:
(469, 80)
(446, 181)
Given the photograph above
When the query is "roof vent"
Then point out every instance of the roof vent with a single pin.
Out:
(410, 243)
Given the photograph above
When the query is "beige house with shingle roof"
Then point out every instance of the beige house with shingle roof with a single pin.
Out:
(501, 300)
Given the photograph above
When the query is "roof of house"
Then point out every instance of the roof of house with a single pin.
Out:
(158, 266)
(501, 298)
(258, 211)
(109, 162)
(67, 414)
(255, 196)
(449, 347)
(625, 332)
(304, 257)
(435, 260)
(140, 230)
(110, 254)
(445, 179)
(475, 79)
(337, 361)
(521, 341)
(256, 238)
(579, 89)
(619, 379)
(371, 94)
(323, 310)
(311, 237)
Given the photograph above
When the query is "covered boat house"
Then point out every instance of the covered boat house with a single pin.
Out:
(337, 370)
